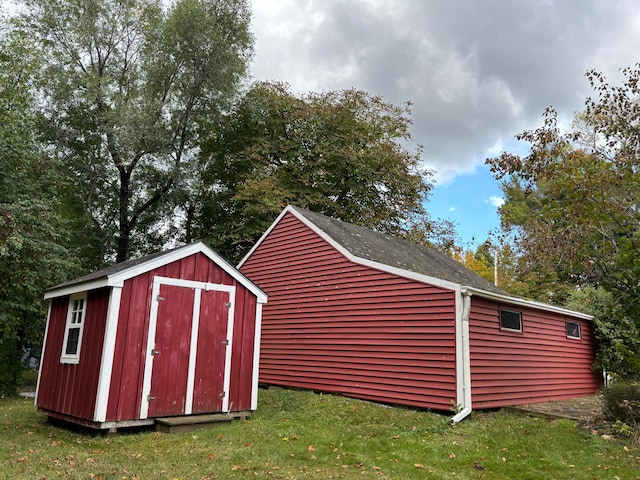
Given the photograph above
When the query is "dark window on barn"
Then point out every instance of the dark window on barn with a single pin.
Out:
(573, 329)
(510, 320)
(73, 330)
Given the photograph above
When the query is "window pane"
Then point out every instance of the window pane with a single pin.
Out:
(72, 341)
(573, 329)
(510, 320)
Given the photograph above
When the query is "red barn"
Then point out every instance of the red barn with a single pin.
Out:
(375, 317)
(171, 334)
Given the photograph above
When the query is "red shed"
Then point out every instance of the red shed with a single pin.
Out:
(375, 317)
(171, 334)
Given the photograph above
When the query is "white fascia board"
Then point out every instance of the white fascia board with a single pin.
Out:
(370, 263)
(118, 279)
(266, 234)
(77, 288)
(525, 303)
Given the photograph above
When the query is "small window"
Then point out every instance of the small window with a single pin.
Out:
(510, 320)
(73, 330)
(573, 329)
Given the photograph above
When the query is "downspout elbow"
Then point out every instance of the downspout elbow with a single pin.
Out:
(461, 415)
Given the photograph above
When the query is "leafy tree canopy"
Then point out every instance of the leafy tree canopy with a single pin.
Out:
(572, 202)
(341, 153)
(32, 227)
(125, 87)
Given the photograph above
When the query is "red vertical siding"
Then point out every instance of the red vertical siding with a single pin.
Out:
(336, 326)
(538, 364)
(71, 388)
(131, 338)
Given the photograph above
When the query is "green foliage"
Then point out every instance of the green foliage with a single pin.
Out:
(572, 202)
(33, 232)
(616, 333)
(124, 88)
(307, 435)
(339, 153)
(621, 404)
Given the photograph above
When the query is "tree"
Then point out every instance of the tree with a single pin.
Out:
(33, 230)
(126, 86)
(341, 153)
(573, 200)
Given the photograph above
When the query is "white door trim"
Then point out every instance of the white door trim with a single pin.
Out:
(151, 335)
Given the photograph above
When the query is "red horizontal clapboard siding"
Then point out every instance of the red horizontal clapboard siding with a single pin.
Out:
(336, 326)
(538, 364)
(71, 388)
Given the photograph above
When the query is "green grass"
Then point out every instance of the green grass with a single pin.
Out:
(296, 435)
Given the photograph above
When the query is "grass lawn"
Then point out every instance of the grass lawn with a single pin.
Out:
(297, 435)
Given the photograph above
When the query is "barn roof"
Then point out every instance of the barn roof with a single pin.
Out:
(115, 275)
(406, 259)
(397, 252)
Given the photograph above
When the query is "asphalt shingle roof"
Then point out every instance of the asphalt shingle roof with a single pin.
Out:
(397, 252)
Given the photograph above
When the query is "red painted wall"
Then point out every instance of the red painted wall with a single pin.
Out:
(71, 389)
(538, 364)
(334, 326)
(131, 337)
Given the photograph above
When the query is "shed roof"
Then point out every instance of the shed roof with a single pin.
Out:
(115, 275)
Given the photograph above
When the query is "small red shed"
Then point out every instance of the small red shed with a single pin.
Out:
(372, 316)
(171, 334)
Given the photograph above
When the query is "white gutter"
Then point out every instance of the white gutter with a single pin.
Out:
(463, 361)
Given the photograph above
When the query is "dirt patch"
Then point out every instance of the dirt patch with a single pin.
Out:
(579, 409)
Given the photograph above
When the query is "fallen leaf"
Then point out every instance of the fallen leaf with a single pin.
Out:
(452, 455)
(418, 465)
(212, 456)
(478, 466)
(311, 448)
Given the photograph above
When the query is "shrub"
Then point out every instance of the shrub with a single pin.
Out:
(621, 403)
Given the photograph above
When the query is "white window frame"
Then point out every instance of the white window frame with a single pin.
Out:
(72, 323)
(507, 329)
(566, 325)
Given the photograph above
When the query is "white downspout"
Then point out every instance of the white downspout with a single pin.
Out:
(463, 361)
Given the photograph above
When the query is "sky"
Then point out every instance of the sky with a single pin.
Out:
(477, 73)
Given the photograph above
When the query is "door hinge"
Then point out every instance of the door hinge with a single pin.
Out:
(222, 394)
(149, 398)
(155, 352)
(225, 341)
(159, 298)
(228, 304)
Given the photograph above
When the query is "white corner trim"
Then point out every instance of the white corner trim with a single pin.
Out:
(108, 352)
(256, 357)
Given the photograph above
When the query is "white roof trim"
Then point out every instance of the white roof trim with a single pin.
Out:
(118, 279)
(412, 275)
(266, 234)
(353, 258)
(524, 303)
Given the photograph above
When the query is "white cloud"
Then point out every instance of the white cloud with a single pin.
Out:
(476, 72)
(495, 201)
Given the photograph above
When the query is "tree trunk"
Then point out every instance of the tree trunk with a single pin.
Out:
(124, 224)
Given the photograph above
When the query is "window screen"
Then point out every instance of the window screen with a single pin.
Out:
(573, 329)
(510, 320)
